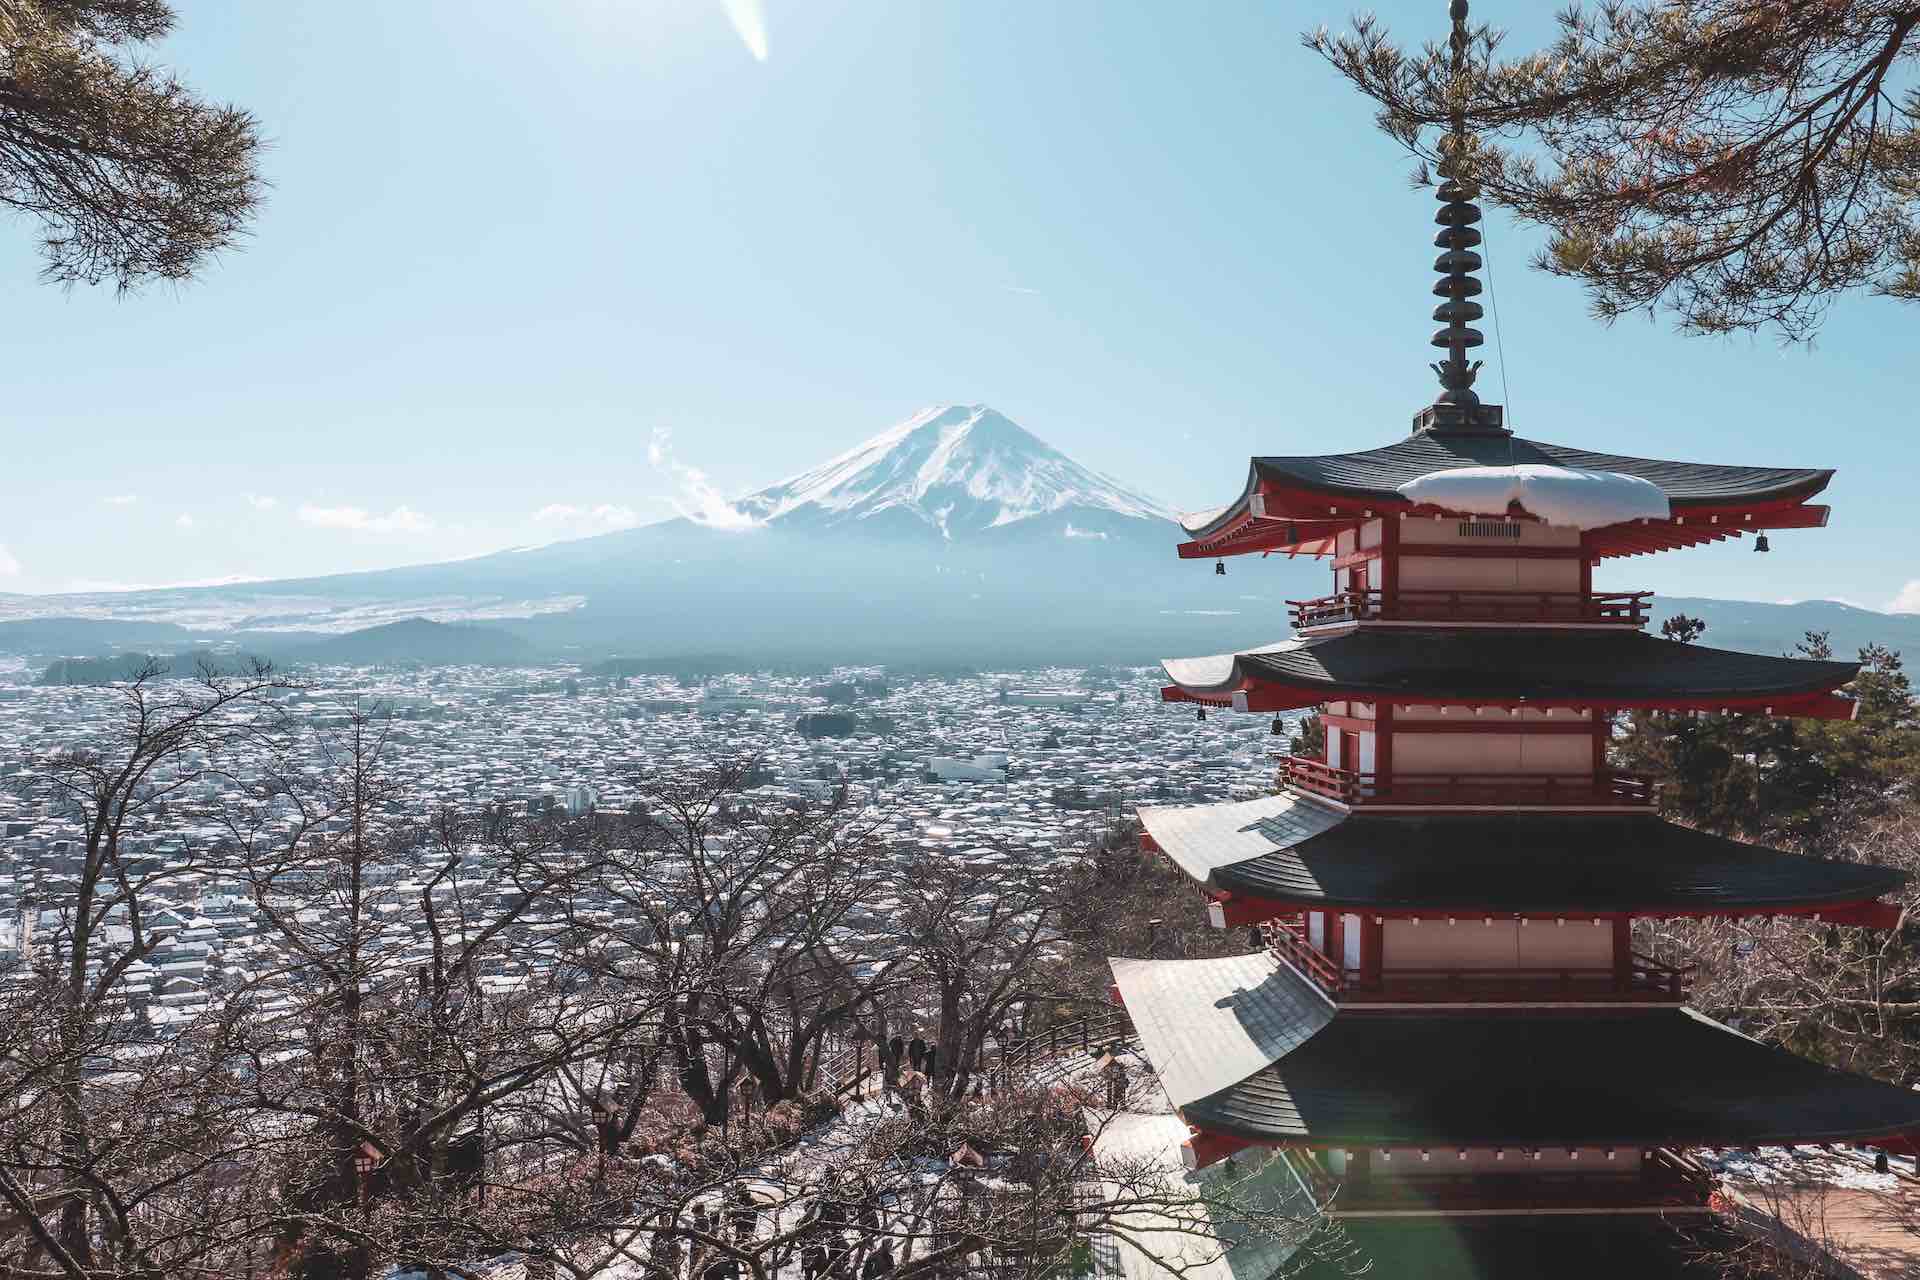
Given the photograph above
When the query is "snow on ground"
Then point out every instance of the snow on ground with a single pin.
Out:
(1562, 496)
(1770, 1166)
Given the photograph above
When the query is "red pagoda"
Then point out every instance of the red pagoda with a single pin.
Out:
(1450, 1032)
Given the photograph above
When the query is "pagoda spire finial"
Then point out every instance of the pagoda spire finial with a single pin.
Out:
(1457, 408)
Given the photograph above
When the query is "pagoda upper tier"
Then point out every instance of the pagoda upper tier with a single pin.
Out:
(1544, 669)
(1301, 505)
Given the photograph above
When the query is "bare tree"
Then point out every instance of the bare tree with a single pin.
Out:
(103, 1141)
(427, 1007)
(1843, 995)
(975, 932)
(758, 915)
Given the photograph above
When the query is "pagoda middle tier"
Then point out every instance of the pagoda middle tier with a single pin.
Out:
(1282, 855)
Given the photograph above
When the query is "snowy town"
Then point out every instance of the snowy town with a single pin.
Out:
(1032, 766)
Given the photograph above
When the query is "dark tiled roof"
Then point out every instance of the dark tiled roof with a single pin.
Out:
(1380, 472)
(1574, 1246)
(1498, 863)
(1640, 1078)
(1501, 665)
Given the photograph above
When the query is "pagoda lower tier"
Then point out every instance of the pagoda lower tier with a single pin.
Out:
(1577, 669)
(1588, 1246)
(1449, 1110)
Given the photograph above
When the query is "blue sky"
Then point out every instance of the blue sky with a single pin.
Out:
(513, 243)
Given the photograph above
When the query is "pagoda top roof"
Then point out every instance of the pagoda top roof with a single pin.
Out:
(1314, 495)
(1496, 667)
(1289, 850)
(1648, 1077)
(1377, 474)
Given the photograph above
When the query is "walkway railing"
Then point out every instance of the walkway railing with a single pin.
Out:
(850, 1069)
(1623, 608)
(1608, 789)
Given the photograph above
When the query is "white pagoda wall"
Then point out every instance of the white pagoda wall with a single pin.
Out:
(1491, 753)
(1471, 943)
(1440, 1161)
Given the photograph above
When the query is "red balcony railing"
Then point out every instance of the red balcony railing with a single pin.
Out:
(1288, 938)
(1660, 1179)
(1625, 608)
(1605, 790)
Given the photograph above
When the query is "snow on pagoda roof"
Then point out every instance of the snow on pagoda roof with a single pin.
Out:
(1287, 850)
(1208, 1024)
(1564, 496)
(1196, 521)
(1646, 1077)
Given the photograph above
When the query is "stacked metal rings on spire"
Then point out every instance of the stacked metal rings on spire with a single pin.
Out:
(1457, 261)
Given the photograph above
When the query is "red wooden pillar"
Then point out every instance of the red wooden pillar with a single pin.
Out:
(1336, 934)
(1382, 748)
(1622, 953)
(1390, 566)
(1602, 732)
(1373, 939)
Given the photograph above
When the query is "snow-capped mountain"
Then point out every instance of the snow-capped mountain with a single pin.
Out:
(957, 470)
(956, 535)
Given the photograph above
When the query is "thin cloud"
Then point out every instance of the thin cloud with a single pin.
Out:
(122, 499)
(9, 567)
(183, 521)
(402, 519)
(696, 498)
(749, 19)
(1014, 288)
(259, 503)
(606, 515)
(1908, 600)
(93, 586)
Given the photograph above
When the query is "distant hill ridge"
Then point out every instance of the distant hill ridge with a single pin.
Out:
(414, 642)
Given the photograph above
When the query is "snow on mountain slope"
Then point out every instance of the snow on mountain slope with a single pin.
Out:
(958, 469)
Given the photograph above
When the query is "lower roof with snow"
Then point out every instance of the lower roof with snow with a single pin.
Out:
(1206, 1025)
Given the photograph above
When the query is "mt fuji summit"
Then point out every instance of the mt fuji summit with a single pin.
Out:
(955, 536)
(955, 470)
